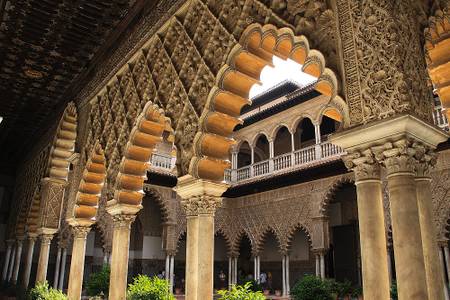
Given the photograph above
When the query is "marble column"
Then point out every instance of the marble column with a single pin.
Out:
(17, 263)
(317, 265)
(444, 281)
(389, 264)
(191, 257)
(57, 269)
(235, 271)
(230, 271)
(11, 263)
(62, 272)
(407, 237)
(77, 262)
(46, 237)
(29, 260)
(447, 257)
(375, 275)
(172, 272)
(200, 199)
(433, 267)
(283, 274)
(120, 254)
(288, 286)
(322, 265)
(9, 244)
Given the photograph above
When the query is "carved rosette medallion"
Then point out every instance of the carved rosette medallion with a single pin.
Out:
(201, 205)
(123, 220)
(363, 164)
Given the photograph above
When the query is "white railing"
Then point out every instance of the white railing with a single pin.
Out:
(162, 161)
(291, 160)
(439, 118)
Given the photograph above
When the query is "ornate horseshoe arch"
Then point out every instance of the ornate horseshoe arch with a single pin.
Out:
(234, 80)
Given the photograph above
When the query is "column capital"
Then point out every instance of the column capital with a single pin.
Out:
(80, 232)
(426, 160)
(123, 220)
(9, 242)
(32, 236)
(443, 243)
(200, 196)
(398, 156)
(363, 164)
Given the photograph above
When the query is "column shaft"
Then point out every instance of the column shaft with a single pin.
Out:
(119, 256)
(230, 271)
(57, 267)
(433, 267)
(17, 261)
(191, 257)
(447, 263)
(205, 279)
(28, 262)
(77, 263)
(288, 287)
(235, 270)
(7, 259)
(11, 264)
(444, 283)
(167, 267)
(322, 265)
(172, 270)
(62, 273)
(283, 272)
(318, 265)
(409, 260)
(41, 274)
(375, 275)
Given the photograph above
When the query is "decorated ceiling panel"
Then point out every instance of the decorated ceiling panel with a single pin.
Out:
(44, 46)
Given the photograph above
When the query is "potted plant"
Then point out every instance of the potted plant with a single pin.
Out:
(146, 288)
(278, 293)
(311, 288)
(178, 291)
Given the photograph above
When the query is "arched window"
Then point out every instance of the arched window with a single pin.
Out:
(304, 135)
(261, 149)
(282, 142)
(244, 155)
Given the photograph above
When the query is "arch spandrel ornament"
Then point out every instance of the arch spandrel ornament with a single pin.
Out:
(255, 50)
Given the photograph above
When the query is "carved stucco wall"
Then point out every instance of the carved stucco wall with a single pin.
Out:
(176, 69)
(383, 59)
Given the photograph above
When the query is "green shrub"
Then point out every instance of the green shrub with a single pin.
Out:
(146, 288)
(255, 286)
(345, 288)
(394, 295)
(312, 288)
(241, 292)
(43, 292)
(98, 283)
